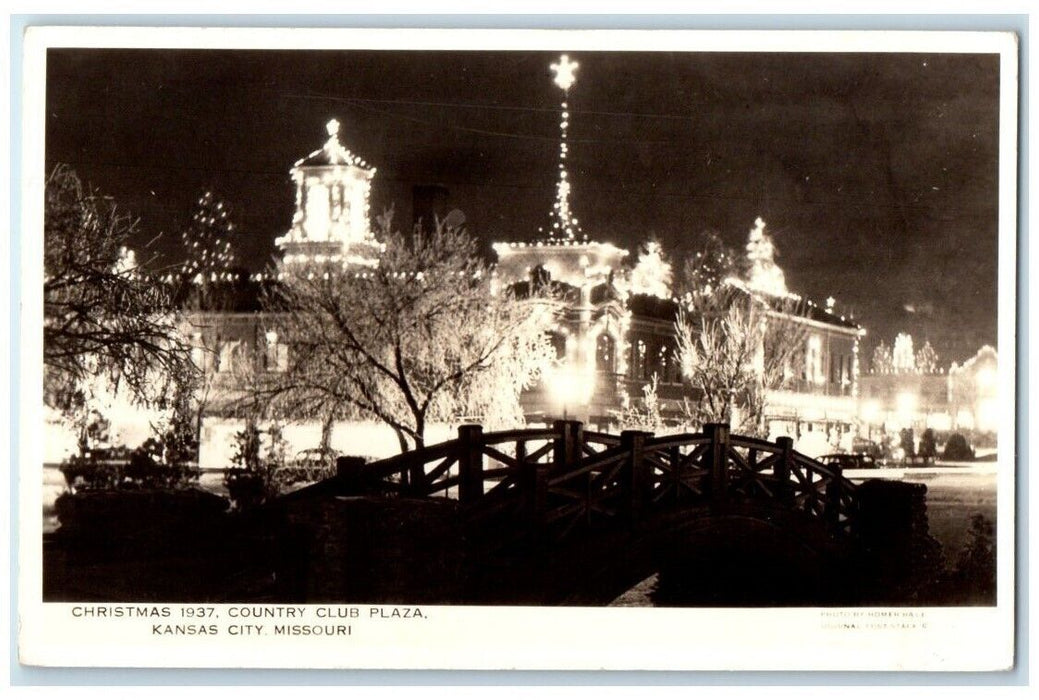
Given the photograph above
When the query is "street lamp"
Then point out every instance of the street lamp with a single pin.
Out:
(571, 387)
(906, 403)
(870, 416)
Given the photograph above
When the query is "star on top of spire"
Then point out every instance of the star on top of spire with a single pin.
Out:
(564, 71)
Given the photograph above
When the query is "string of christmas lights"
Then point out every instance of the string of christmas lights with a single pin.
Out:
(564, 224)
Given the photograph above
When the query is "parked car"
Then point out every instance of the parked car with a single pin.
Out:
(308, 466)
(870, 448)
(858, 460)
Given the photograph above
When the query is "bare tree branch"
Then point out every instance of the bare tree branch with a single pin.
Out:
(422, 337)
(102, 313)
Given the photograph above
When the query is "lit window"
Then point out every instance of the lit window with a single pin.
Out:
(814, 360)
(639, 359)
(318, 210)
(198, 351)
(276, 354)
(664, 362)
(604, 354)
(226, 354)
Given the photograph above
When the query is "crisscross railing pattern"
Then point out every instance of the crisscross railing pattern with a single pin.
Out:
(560, 479)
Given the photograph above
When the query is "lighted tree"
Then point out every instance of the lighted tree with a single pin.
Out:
(927, 359)
(103, 315)
(763, 274)
(734, 358)
(420, 338)
(652, 273)
(706, 269)
(902, 357)
(882, 359)
(735, 345)
(208, 282)
(207, 240)
(645, 413)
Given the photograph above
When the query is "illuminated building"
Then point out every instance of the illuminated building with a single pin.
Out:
(905, 396)
(974, 392)
(617, 332)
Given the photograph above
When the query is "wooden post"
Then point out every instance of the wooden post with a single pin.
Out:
(414, 476)
(719, 433)
(636, 475)
(676, 472)
(569, 434)
(784, 467)
(533, 486)
(350, 473)
(470, 463)
(833, 499)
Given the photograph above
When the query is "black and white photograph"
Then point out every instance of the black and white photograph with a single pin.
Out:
(356, 336)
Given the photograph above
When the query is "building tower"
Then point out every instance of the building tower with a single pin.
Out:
(591, 338)
(331, 222)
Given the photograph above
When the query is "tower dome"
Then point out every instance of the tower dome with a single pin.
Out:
(331, 222)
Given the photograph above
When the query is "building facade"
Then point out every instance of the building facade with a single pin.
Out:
(964, 399)
(611, 340)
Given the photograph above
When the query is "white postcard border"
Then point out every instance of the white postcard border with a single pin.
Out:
(512, 637)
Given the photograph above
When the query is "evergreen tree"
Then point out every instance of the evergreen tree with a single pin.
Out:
(207, 239)
(927, 359)
(652, 273)
(763, 274)
(882, 359)
(903, 359)
(706, 269)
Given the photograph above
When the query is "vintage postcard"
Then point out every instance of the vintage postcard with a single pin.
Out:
(499, 349)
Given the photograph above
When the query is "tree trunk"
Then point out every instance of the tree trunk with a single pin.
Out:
(420, 431)
(326, 434)
(401, 438)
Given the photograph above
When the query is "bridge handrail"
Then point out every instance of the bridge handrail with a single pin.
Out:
(753, 443)
(607, 439)
(680, 440)
(622, 475)
(526, 434)
(393, 465)
(822, 469)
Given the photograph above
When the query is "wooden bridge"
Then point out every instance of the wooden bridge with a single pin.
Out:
(556, 515)
(564, 514)
(562, 479)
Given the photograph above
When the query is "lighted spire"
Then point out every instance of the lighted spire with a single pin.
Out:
(564, 224)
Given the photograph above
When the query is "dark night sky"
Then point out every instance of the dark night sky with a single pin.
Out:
(876, 173)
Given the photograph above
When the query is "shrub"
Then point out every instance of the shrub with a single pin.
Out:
(957, 449)
(253, 477)
(145, 521)
(976, 567)
(148, 470)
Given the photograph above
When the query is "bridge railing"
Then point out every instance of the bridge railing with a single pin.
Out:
(559, 478)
